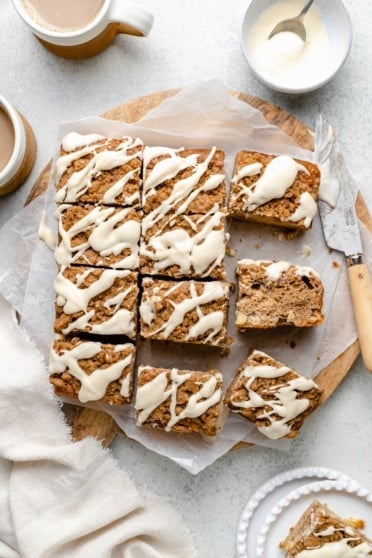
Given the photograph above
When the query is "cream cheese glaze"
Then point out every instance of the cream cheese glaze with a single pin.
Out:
(274, 270)
(185, 190)
(111, 233)
(339, 549)
(73, 298)
(212, 321)
(93, 386)
(152, 394)
(285, 60)
(284, 403)
(198, 253)
(278, 176)
(45, 233)
(102, 159)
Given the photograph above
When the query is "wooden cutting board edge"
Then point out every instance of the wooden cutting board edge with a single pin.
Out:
(88, 422)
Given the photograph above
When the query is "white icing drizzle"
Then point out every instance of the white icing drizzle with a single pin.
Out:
(74, 298)
(103, 160)
(73, 140)
(185, 190)
(93, 386)
(211, 292)
(200, 253)
(45, 233)
(247, 170)
(284, 403)
(329, 188)
(331, 530)
(116, 189)
(306, 210)
(112, 233)
(338, 549)
(154, 393)
(274, 270)
(278, 176)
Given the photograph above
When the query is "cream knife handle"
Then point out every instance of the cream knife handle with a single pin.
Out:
(361, 294)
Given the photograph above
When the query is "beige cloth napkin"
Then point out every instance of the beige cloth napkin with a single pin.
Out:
(60, 499)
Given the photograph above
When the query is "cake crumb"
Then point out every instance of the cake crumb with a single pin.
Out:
(305, 251)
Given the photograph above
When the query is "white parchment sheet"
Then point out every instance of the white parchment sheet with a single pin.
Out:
(199, 116)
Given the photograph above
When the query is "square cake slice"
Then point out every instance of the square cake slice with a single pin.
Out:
(179, 400)
(99, 301)
(272, 294)
(92, 371)
(96, 169)
(278, 191)
(321, 532)
(185, 311)
(98, 236)
(183, 181)
(272, 396)
(179, 246)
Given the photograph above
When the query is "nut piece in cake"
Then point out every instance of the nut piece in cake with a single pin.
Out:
(179, 400)
(185, 311)
(99, 301)
(278, 191)
(96, 169)
(184, 246)
(272, 396)
(320, 532)
(98, 236)
(183, 181)
(272, 294)
(92, 371)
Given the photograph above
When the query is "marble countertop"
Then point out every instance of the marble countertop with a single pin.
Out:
(191, 41)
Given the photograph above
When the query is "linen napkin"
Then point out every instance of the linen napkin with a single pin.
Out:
(65, 499)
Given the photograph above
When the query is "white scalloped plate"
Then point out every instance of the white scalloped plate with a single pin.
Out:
(262, 501)
(344, 496)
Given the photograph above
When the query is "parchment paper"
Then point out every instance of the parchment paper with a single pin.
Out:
(200, 116)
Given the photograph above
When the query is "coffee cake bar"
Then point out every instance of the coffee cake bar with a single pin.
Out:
(279, 191)
(179, 400)
(184, 246)
(98, 236)
(99, 301)
(272, 396)
(96, 169)
(272, 294)
(184, 311)
(321, 532)
(92, 371)
(183, 181)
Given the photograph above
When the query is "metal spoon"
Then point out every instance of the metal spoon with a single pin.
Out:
(294, 24)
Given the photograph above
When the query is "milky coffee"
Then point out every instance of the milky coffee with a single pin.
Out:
(63, 15)
(6, 138)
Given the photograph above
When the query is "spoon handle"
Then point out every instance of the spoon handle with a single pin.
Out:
(304, 10)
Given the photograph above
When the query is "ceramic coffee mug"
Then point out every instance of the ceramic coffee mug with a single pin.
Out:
(17, 146)
(85, 39)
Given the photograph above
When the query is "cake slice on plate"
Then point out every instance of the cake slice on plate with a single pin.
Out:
(321, 533)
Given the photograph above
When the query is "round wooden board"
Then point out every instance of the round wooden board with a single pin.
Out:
(88, 422)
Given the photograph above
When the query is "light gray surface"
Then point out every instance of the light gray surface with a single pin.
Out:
(192, 40)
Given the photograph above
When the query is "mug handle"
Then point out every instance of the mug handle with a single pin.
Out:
(131, 18)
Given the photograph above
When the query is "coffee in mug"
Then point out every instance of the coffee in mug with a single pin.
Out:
(6, 139)
(80, 28)
(17, 147)
(63, 15)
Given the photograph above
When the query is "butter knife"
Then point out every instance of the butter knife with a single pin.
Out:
(341, 232)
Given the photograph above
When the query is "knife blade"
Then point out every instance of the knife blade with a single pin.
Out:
(341, 232)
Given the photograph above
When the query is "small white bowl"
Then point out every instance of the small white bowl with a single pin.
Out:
(337, 24)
